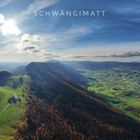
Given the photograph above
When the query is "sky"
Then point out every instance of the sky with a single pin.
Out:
(96, 30)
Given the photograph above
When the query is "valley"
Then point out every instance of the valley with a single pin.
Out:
(119, 89)
(116, 84)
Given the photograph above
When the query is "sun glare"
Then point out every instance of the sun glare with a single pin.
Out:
(9, 28)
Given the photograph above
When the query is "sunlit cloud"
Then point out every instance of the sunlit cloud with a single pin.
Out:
(2, 19)
(8, 27)
(31, 38)
(31, 44)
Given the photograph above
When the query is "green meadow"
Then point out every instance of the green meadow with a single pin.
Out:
(11, 114)
(117, 88)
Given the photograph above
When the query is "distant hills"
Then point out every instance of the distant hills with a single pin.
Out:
(89, 65)
(10, 66)
(4, 77)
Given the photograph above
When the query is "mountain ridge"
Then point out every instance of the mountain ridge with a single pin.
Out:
(53, 86)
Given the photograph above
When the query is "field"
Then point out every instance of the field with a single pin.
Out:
(11, 114)
(118, 88)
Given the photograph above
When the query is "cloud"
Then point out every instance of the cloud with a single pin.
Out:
(37, 38)
(37, 5)
(2, 19)
(37, 51)
(29, 48)
(64, 39)
(128, 54)
(76, 31)
(130, 8)
(31, 38)
(124, 55)
(51, 56)
(4, 3)
(8, 27)
(30, 44)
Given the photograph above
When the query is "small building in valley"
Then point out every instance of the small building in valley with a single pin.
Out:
(14, 99)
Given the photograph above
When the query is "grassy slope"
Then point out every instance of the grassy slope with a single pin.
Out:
(119, 89)
(12, 114)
